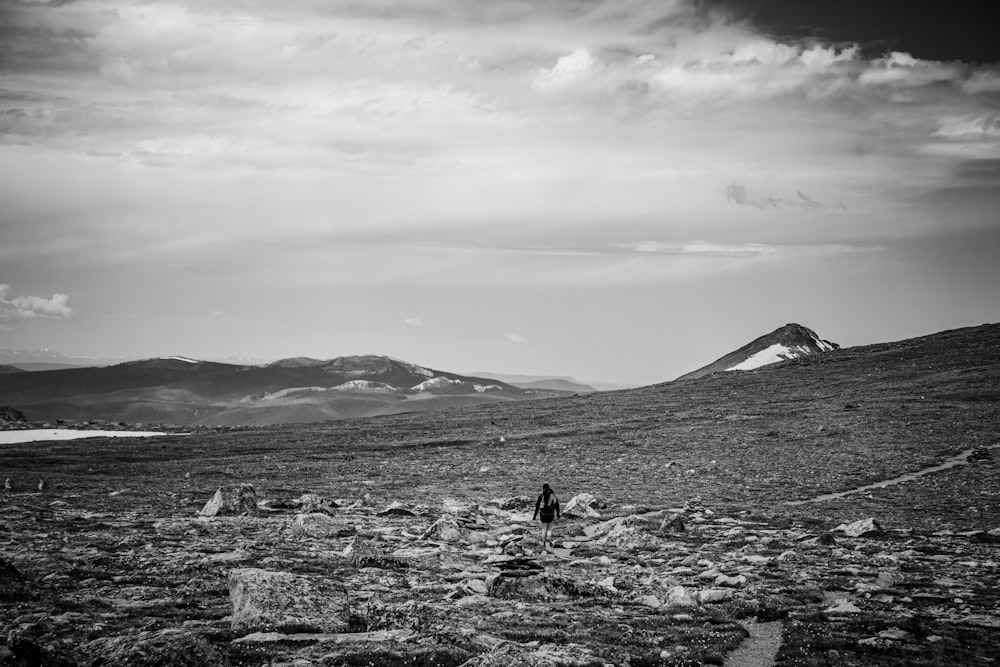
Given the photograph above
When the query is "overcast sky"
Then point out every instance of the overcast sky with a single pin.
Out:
(613, 190)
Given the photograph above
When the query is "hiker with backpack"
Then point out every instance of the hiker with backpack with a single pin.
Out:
(547, 510)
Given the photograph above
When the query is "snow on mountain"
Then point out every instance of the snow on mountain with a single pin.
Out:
(788, 342)
(364, 385)
(436, 383)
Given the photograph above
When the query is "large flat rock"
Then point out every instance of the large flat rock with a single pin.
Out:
(265, 601)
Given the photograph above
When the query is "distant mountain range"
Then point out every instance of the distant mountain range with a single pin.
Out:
(179, 390)
(791, 341)
(558, 383)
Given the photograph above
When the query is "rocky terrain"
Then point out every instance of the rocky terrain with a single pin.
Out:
(692, 530)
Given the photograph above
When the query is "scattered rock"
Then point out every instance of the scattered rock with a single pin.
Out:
(234, 499)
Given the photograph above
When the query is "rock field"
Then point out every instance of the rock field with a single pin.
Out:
(311, 580)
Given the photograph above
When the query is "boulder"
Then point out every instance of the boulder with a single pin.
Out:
(320, 525)
(673, 524)
(859, 528)
(843, 606)
(234, 499)
(582, 505)
(172, 646)
(311, 503)
(543, 587)
(730, 582)
(445, 529)
(9, 414)
(12, 583)
(397, 508)
(678, 596)
(368, 552)
(514, 503)
(710, 595)
(265, 601)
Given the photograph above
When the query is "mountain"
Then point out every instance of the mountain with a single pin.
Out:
(180, 390)
(45, 359)
(791, 341)
(4, 369)
(556, 383)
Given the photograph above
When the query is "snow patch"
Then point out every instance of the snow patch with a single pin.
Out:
(487, 387)
(184, 359)
(364, 385)
(436, 383)
(770, 355)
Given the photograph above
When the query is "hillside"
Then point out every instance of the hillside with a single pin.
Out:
(177, 390)
(700, 525)
(788, 342)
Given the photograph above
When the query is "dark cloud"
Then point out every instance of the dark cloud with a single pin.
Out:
(739, 194)
(959, 30)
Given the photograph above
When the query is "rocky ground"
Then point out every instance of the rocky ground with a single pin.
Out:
(133, 578)
(407, 540)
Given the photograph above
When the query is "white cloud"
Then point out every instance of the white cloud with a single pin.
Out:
(30, 307)
(514, 338)
(414, 322)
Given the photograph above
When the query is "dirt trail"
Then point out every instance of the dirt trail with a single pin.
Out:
(957, 460)
(759, 649)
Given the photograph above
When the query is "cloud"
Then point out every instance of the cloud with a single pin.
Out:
(514, 338)
(414, 322)
(30, 307)
(739, 194)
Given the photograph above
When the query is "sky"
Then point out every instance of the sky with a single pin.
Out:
(617, 191)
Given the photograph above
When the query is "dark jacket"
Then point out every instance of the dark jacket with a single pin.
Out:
(548, 509)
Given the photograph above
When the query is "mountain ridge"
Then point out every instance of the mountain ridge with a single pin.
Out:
(181, 390)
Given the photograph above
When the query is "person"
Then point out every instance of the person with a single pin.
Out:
(547, 510)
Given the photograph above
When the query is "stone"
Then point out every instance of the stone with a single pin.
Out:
(445, 529)
(320, 526)
(310, 503)
(843, 606)
(12, 583)
(730, 582)
(859, 528)
(266, 601)
(650, 601)
(541, 587)
(712, 595)
(172, 646)
(678, 596)
(672, 524)
(234, 499)
(582, 505)
(367, 552)
(826, 539)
